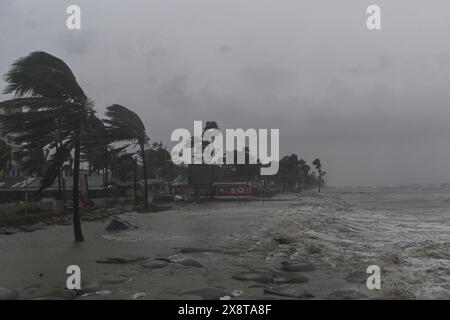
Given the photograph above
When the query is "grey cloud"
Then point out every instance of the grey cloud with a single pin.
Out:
(366, 103)
(224, 49)
(6, 7)
(383, 62)
(268, 76)
(443, 59)
(126, 52)
(173, 94)
(158, 52)
(78, 42)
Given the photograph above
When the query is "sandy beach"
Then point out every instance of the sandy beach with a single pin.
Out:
(295, 246)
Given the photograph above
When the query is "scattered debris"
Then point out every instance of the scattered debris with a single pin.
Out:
(184, 198)
(118, 224)
(237, 293)
(138, 295)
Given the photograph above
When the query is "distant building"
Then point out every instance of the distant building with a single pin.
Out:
(218, 190)
(14, 189)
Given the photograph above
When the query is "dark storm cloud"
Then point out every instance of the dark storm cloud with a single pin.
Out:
(366, 103)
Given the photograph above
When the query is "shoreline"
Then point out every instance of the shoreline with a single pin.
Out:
(214, 250)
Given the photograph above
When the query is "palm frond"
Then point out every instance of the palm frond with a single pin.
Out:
(125, 125)
(55, 162)
(43, 75)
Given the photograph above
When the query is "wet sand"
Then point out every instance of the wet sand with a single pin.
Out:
(333, 236)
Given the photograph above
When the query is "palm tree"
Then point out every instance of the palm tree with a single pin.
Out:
(125, 126)
(48, 99)
(316, 163)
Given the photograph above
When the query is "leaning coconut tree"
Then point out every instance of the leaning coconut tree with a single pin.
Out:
(48, 99)
(126, 126)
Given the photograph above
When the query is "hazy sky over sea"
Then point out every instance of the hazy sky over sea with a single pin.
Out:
(373, 105)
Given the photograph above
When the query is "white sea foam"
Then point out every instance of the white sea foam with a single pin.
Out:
(404, 230)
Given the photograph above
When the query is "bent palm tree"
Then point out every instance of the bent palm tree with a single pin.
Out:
(125, 126)
(48, 99)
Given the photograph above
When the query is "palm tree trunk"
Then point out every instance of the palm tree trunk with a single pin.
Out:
(145, 177)
(76, 197)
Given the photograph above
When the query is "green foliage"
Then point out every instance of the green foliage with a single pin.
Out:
(124, 125)
(49, 109)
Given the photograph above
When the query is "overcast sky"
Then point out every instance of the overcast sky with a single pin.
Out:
(374, 106)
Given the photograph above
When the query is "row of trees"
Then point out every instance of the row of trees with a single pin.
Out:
(295, 174)
(51, 112)
(56, 127)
